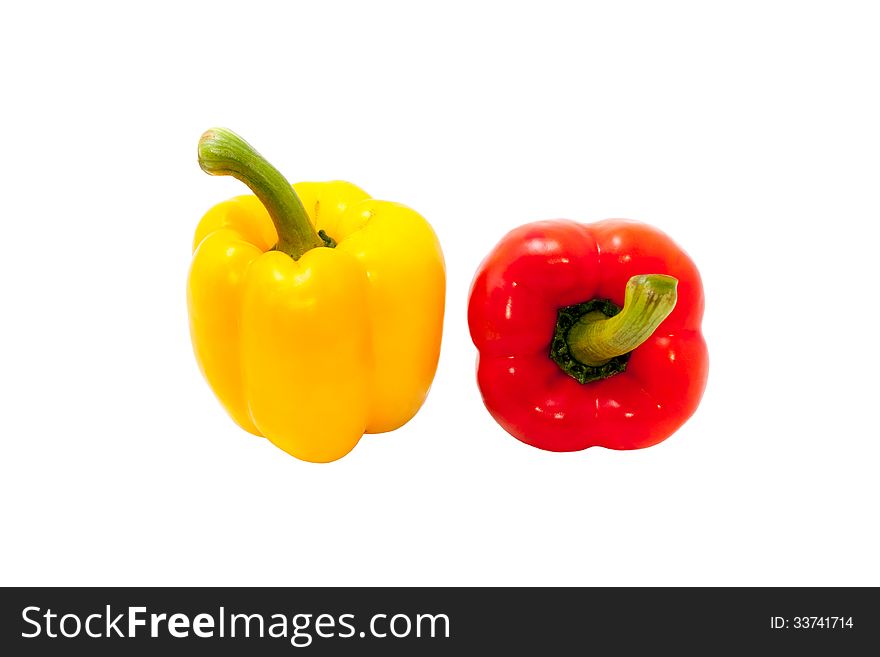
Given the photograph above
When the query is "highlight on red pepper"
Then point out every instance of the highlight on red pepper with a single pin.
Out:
(588, 334)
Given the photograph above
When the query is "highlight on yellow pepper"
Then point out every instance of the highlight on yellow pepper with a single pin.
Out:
(315, 311)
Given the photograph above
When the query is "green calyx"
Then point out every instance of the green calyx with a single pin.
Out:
(594, 340)
(223, 153)
(560, 350)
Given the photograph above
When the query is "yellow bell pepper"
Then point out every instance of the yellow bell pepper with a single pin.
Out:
(315, 311)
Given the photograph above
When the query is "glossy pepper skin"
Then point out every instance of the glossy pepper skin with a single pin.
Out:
(314, 352)
(516, 294)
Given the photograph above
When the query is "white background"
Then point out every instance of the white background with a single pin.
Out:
(748, 131)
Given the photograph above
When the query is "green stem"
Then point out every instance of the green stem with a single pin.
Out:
(596, 339)
(224, 153)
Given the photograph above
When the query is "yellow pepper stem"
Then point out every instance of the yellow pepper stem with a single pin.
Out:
(648, 300)
(224, 153)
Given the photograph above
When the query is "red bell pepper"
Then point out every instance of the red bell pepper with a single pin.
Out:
(560, 366)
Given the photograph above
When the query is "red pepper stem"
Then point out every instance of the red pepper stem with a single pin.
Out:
(224, 153)
(649, 299)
